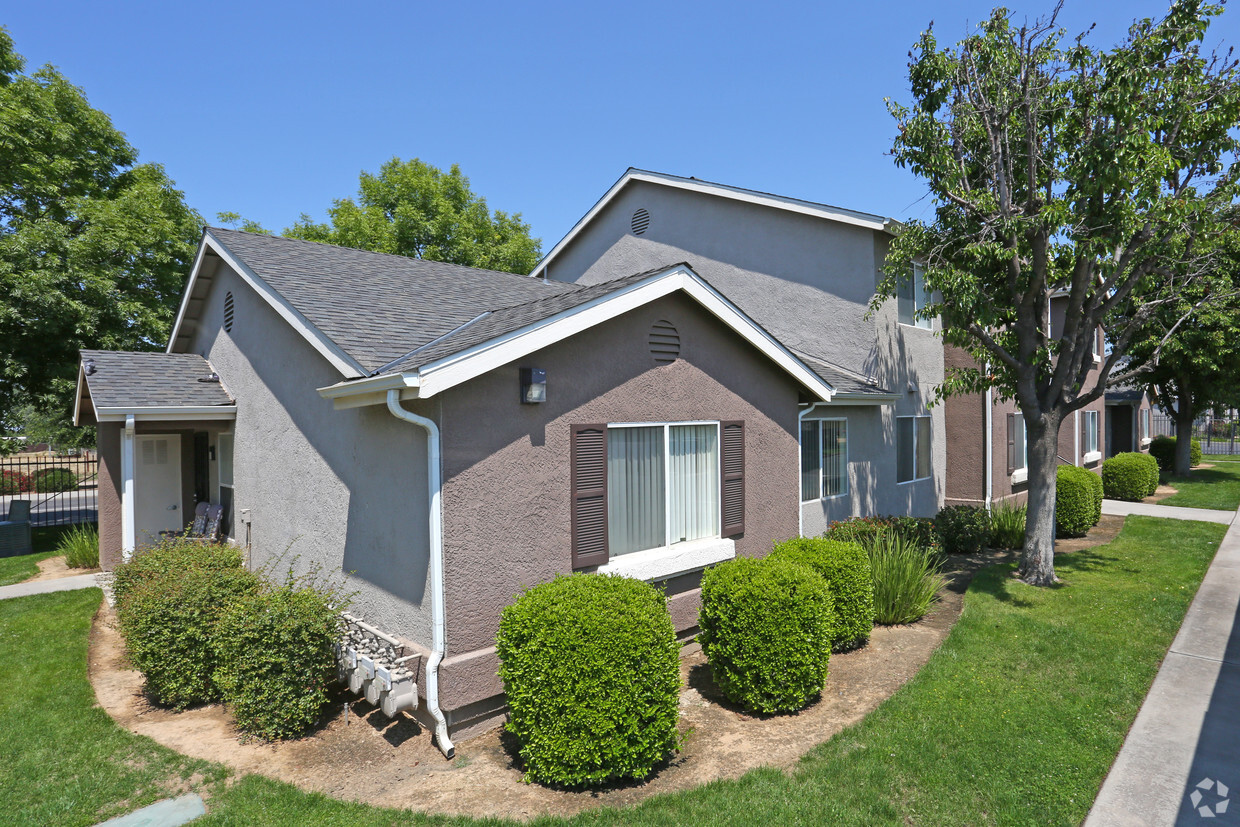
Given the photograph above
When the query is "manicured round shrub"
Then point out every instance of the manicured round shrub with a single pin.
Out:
(1129, 476)
(51, 480)
(591, 670)
(1194, 452)
(13, 482)
(167, 560)
(963, 529)
(846, 568)
(1074, 502)
(767, 627)
(1163, 450)
(275, 658)
(1095, 488)
(169, 626)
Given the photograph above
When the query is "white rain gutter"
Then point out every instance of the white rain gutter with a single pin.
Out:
(801, 471)
(435, 485)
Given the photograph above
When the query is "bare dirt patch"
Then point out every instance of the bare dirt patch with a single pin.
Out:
(54, 568)
(392, 763)
(1163, 492)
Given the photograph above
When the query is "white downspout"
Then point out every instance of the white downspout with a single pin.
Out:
(129, 531)
(801, 471)
(989, 473)
(1076, 438)
(435, 484)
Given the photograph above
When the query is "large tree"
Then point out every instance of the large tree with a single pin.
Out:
(94, 247)
(414, 209)
(1060, 169)
(1194, 364)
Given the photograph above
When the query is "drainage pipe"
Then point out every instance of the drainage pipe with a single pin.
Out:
(801, 453)
(435, 484)
(989, 453)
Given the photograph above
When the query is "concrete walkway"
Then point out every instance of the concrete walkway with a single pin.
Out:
(1120, 508)
(1180, 764)
(63, 584)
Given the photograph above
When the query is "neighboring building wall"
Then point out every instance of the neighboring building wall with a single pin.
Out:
(507, 467)
(111, 541)
(807, 280)
(343, 490)
(965, 418)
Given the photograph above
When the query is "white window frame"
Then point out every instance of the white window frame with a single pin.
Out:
(667, 488)
(1097, 349)
(919, 299)
(821, 470)
(1092, 422)
(1145, 416)
(1020, 473)
(930, 469)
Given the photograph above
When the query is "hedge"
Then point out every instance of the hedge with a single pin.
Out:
(168, 559)
(846, 568)
(1162, 449)
(1129, 476)
(275, 658)
(1075, 507)
(767, 627)
(591, 670)
(51, 480)
(963, 529)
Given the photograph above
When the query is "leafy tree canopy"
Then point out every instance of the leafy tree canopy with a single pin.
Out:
(1059, 170)
(414, 209)
(94, 247)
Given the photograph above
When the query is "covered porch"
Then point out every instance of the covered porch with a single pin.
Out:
(164, 425)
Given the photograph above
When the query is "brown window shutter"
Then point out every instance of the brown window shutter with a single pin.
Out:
(589, 495)
(732, 510)
(1011, 436)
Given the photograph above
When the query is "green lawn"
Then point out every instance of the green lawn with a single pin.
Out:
(1217, 487)
(1015, 719)
(16, 569)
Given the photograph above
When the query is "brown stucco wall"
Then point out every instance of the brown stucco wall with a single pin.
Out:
(108, 436)
(506, 465)
(965, 420)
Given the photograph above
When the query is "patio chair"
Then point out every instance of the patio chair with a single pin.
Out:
(205, 527)
(15, 531)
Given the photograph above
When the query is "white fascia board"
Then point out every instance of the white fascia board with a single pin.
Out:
(189, 291)
(328, 349)
(484, 357)
(167, 413)
(371, 384)
(77, 399)
(865, 398)
(844, 216)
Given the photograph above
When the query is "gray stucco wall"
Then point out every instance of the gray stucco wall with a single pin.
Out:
(808, 281)
(343, 490)
(507, 466)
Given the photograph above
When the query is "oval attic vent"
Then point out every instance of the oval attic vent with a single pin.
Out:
(641, 220)
(664, 342)
(228, 311)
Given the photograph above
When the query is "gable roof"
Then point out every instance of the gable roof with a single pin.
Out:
(779, 202)
(360, 309)
(116, 382)
(848, 385)
(502, 336)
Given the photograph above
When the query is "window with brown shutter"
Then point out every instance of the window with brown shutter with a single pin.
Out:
(589, 495)
(732, 465)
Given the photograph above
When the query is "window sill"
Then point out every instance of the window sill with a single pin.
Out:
(669, 561)
(1020, 475)
(1091, 457)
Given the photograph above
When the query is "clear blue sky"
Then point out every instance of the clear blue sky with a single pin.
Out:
(272, 109)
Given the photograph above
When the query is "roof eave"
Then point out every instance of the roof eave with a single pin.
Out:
(165, 413)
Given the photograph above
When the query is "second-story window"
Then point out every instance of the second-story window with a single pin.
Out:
(913, 297)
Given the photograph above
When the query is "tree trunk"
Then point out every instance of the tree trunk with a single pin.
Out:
(1183, 434)
(1037, 563)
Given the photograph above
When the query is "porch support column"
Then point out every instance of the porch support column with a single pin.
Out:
(128, 528)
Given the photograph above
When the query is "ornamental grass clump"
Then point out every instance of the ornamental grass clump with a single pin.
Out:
(767, 628)
(906, 580)
(846, 568)
(1007, 525)
(1129, 476)
(80, 546)
(275, 657)
(591, 670)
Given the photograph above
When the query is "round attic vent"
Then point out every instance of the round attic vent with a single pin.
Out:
(641, 220)
(228, 311)
(664, 342)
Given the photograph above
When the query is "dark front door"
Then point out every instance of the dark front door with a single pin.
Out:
(202, 476)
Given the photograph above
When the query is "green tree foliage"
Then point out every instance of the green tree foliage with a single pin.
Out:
(414, 209)
(94, 247)
(1058, 169)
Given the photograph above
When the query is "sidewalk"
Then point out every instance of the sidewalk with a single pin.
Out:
(1180, 764)
(1174, 512)
(63, 584)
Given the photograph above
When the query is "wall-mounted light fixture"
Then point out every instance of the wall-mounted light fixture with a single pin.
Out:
(533, 386)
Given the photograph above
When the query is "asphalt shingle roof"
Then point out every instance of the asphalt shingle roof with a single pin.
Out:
(128, 379)
(842, 380)
(374, 306)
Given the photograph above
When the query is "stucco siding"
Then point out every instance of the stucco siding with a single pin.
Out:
(344, 491)
(507, 472)
(111, 541)
(809, 282)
